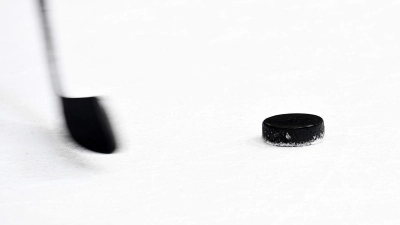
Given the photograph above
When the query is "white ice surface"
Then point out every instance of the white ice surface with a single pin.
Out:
(188, 84)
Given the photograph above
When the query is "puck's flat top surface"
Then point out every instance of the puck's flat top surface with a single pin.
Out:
(293, 121)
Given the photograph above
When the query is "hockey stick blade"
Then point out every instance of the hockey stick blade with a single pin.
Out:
(88, 124)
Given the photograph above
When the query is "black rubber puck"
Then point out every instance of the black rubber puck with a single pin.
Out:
(291, 130)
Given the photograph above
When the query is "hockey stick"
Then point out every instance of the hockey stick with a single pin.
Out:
(85, 118)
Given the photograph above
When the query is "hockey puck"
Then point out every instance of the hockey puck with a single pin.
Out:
(293, 130)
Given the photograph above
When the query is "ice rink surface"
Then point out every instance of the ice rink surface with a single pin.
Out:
(187, 85)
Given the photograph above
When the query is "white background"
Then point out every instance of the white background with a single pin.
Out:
(187, 85)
